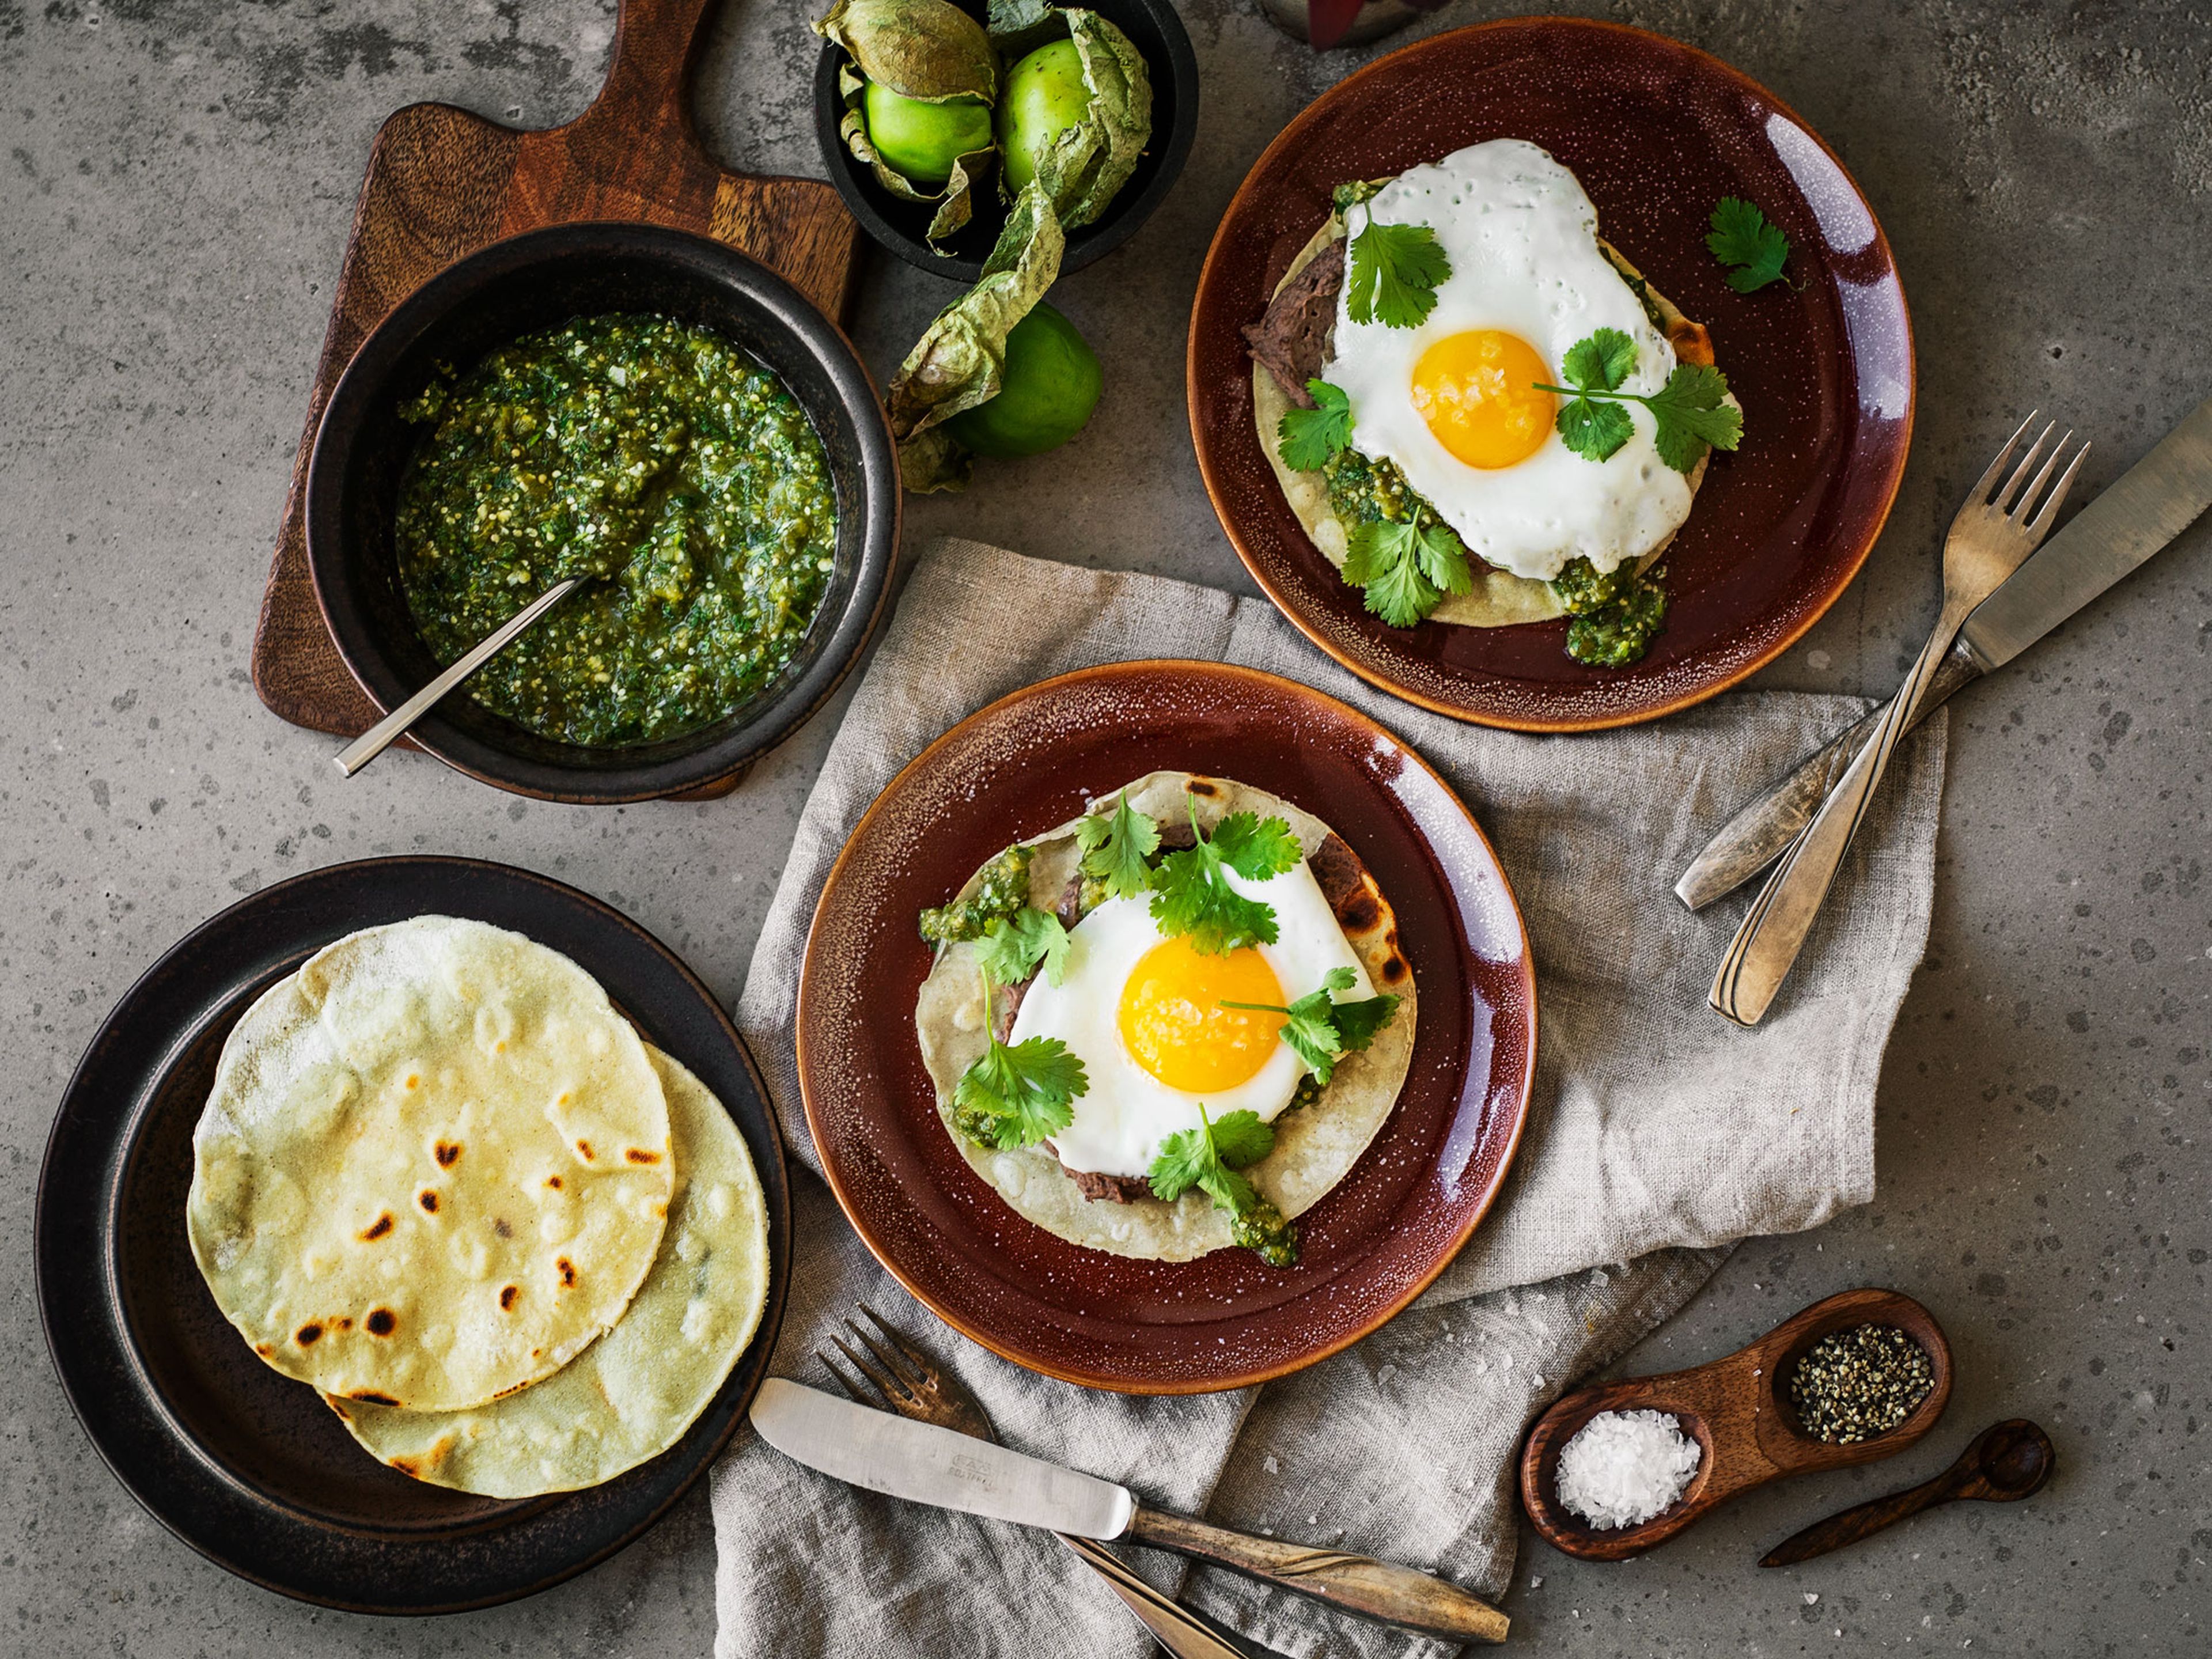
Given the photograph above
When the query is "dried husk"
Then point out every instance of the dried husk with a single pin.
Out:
(960, 360)
(1087, 163)
(928, 50)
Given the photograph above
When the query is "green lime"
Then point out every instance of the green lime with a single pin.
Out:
(1050, 386)
(1044, 94)
(919, 141)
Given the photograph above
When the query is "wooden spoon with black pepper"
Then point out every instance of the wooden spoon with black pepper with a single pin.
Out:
(2007, 1461)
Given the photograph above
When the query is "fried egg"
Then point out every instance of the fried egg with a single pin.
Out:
(1454, 402)
(1143, 1012)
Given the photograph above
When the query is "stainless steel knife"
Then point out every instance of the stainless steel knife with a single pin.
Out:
(925, 1464)
(2151, 504)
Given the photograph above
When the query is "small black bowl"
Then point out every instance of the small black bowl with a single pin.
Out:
(538, 280)
(899, 226)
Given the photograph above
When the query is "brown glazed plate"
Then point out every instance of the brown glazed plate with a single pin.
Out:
(1657, 132)
(1032, 760)
(249, 1467)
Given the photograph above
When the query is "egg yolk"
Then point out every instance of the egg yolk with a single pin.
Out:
(1174, 1025)
(1477, 393)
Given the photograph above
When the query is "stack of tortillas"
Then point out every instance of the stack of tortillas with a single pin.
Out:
(440, 1180)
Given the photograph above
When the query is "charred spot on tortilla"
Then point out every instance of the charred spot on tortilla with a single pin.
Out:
(370, 1397)
(639, 1155)
(307, 1334)
(428, 1199)
(377, 1229)
(381, 1322)
(584, 1147)
(506, 1295)
(567, 1269)
(446, 1152)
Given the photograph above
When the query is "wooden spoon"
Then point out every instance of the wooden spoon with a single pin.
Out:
(2008, 1461)
(1737, 1412)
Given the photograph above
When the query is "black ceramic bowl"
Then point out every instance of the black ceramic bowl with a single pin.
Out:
(898, 226)
(537, 280)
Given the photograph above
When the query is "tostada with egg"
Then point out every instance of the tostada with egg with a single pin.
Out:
(1171, 1025)
(1479, 410)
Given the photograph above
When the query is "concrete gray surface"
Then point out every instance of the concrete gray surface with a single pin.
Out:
(175, 185)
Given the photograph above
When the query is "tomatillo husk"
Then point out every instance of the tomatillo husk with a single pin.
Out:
(1085, 163)
(927, 50)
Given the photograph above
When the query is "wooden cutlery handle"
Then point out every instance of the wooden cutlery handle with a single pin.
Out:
(1351, 1583)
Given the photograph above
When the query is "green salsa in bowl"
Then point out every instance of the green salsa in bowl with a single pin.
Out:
(645, 409)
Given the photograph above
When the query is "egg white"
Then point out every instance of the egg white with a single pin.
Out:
(1522, 238)
(1126, 1114)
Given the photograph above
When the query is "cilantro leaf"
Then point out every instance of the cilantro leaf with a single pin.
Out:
(1191, 894)
(1321, 1030)
(1603, 361)
(1358, 1022)
(1742, 238)
(1024, 1092)
(1116, 847)
(1595, 431)
(1444, 559)
(1693, 416)
(1208, 1158)
(1241, 1139)
(1308, 438)
(1256, 849)
(1011, 949)
(1395, 270)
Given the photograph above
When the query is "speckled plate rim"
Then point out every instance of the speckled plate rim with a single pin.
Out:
(998, 1343)
(112, 1133)
(1375, 674)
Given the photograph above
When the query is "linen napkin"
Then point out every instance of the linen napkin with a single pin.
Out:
(1658, 1135)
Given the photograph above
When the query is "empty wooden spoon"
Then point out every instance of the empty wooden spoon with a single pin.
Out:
(1737, 1410)
(2008, 1461)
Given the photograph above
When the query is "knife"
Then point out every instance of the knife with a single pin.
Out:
(925, 1464)
(2150, 504)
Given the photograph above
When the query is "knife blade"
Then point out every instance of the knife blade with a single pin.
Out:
(2145, 508)
(925, 1464)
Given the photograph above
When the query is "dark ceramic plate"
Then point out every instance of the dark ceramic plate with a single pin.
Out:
(900, 228)
(247, 1467)
(1657, 132)
(537, 280)
(1226, 1320)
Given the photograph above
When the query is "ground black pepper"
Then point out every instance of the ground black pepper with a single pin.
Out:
(1859, 1383)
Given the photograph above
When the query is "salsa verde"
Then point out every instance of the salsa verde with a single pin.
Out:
(655, 459)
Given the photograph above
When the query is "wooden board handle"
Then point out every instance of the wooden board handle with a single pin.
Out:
(1351, 1583)
(647, 91)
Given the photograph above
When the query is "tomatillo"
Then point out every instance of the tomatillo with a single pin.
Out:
(1049, 386)
(1043, 95)
(921, 140)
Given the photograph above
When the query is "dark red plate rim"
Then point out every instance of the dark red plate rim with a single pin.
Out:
(1226, 1320)
(1657, 131)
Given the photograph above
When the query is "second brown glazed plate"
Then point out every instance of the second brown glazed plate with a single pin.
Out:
(1032, 760)
(1658, 132)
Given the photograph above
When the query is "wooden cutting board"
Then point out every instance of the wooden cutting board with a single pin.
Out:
(442, 183)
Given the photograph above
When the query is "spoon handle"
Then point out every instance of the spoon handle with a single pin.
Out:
(1862, 1521)
(379, 738)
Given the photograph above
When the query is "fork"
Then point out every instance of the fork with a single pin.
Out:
(1989, 539)
(906, 1381)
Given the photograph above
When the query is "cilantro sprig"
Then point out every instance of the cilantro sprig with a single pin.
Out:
(1395, 271)
(1321, 1030)
(1742, 238)
(1191, 894)
(1019, 1093)
(1117, 849)
(1309, 439)
(1690, 413)
(1405, 570)
(1209, 1158)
